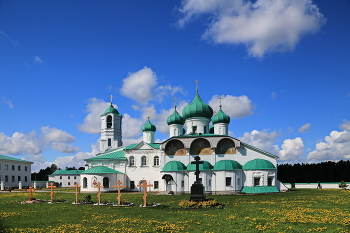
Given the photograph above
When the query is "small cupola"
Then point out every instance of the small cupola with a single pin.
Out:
(148, 130)
(221, 117)
(197, 108)
(175, 118)
(148, 127)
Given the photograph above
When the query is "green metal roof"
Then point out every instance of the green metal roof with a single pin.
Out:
(112, 110)
(221, 117)
(259, 150)
(153, 145)
(202, 167)
(260, 189)
(112, 154)
(67, 172)
(100, 170)
(175, 118)
(197, 108)
(258, 164)
(227, 165)
(148, 127)
(174, 166)
(131, 146)
(13, 159)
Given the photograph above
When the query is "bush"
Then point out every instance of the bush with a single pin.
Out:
(193, 204)
(343, 185)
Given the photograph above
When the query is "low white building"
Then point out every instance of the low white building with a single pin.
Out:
(65, 178)
(14, 172)
(229, 165)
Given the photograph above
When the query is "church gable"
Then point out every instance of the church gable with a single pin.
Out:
(143, 146)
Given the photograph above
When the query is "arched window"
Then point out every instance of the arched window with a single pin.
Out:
(105, 182)
(156, 161)
(143, 161)
(84, 182)
(131, 161)
(109, 121)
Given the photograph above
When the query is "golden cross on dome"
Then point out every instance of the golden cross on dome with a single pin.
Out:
(196, 84)
(174, 101)
(220, 98)
(148, 113)
(111, 96)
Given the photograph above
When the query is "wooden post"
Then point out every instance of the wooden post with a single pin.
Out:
(76, 191)
(145, 185)
(31, 193)
(52, 192)
(119, 186)
(99, 192)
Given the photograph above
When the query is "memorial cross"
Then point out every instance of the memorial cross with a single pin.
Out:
(76, 191)
(174, 101)
(197, 162)
(31, 192)
(99, 192)
(52, 192)
(220, 98)
(145, 185)
(119, 186)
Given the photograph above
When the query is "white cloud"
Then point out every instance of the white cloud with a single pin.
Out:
(7, 101)
(345, 125)
(305, 128)
(56, 135)
(263, 25)
(64, 148)
(273, 95)
(38, 162)
(234, 106)
(262, 140)
(292, 150)
(20, 143)
(92, 122)
(37, 60)
(167, 90)
(336, 146)
(131, 127)
(3, 34)
(140, 85)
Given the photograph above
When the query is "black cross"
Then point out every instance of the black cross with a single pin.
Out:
(197, 162)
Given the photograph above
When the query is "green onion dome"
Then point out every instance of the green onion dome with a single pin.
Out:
(258, 164)
(112, 110)
(148, 127)
(211, 129)
(226, 165)
(202, 167)
(197, 108)
(221, 117)
(174, 166)
(175, 118)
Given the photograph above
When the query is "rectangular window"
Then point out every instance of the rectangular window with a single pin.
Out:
(182, 183)
(6, 167)
(19, 168)
(19, 178)
(109, 142)
(269, 181)
(209, 183)
(156, 184)
(228, 181)
(194, 129)
(13, 178)
(68, 183)
(6, 179)
(25, 179)
(132, 184)
(200, 180)
(60, 177)
(68, 177)
(256, 181)
(25, 168)
(75, 177)
(13, 167)
(205, 129)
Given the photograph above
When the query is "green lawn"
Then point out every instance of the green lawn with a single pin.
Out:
(295, 211)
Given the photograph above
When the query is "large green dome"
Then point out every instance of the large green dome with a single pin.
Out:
(174, 166)
(259, 164)
(202, 167)
(221, 117)
(175, 118)
(227, 165)
(197, 108)
(148, 127)
(112, 110)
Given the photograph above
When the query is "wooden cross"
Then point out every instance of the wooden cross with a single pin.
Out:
(111, 96)
(119, 186)
(99, 192)
(52, 192)
(220, 98)
(196, 84)
(31, 192)
(197, 162)
(145, 185)
(76, 191)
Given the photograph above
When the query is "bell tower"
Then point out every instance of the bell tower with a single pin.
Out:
(111, 129)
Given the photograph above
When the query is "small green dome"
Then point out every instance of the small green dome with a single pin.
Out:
(175, 118)
(227, 165)
(148, 127)
(197, 108)
(112, 110)
(174, 166)
(202, 167)
(211, 129)
(258, 164)
(221, 117)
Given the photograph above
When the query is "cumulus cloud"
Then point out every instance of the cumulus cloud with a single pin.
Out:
(345, 125)
(20, 143)
(262, 26)
(37, 60)
(167, 90)
(92, 122)
(305, 128)
(292, 150)
(64, 148)
(131, 126)
(336, 146)
(262, 140)
(56, 135)
(234, 106)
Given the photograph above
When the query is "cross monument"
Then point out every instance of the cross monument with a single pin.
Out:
(119, 186)
(31, 193)
(51, 192)
(76, 191)
(99, 192)
(197, 188)
(145, 185)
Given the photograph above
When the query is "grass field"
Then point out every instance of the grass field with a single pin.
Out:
(295, 211)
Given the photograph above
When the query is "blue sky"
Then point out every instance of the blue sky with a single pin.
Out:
(281, 66)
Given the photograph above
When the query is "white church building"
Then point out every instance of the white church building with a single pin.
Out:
(229, 165)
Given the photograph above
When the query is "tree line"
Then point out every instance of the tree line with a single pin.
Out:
(312, 173)
(43, 174)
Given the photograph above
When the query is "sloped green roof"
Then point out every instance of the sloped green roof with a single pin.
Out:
(112, 110)
(153, 145)
(221, 117)
(100, 170)
(148, 127)
(260, 189)
(131, 146)
(258, 164)
(113, 154)
(13, 159)
(175, 118)
(174, 166)
(259, 150)
(67, 172)
(197, 108)
(227, 165)
(202, 167)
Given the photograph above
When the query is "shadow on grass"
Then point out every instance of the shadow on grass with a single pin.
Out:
(2, 227)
